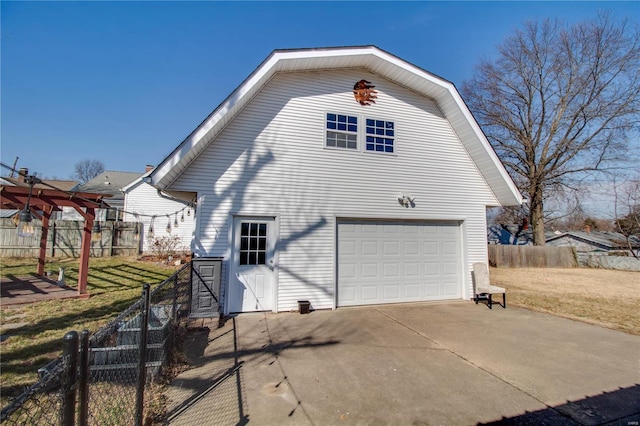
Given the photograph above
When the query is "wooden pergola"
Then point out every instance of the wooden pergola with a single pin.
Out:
(42, 204)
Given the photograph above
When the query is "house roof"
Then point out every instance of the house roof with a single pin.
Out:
(108, 182)
(64, 185)
(611, 240)
(372, 59)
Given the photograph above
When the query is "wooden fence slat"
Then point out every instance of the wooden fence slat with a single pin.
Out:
(65, 239)
(504, 256)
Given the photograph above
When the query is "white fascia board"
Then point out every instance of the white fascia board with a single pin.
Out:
(196, 141)
(132, 185)
(509, 196)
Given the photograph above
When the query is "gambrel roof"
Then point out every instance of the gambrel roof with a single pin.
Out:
(373, 59)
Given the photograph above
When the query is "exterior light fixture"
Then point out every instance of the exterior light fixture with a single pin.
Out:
(189, 212)
(406, 200)
(168, 224)
(175, 221)
(25, 224)
(25, 219)
(150, 232)
(182, 217)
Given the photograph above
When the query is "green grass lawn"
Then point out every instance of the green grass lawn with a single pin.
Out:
(114, 283)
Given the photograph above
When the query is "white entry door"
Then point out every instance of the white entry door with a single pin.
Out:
(252, 280)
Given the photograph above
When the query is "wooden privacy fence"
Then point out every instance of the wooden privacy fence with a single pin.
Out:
(65, 239)
(503, 256)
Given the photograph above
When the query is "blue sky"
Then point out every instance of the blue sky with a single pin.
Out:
(126, 82)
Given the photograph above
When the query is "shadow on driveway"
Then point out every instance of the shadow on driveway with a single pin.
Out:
(429, 363)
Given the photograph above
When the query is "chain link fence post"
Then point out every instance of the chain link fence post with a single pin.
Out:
(83, 384)
(142, 368)
(70, 356)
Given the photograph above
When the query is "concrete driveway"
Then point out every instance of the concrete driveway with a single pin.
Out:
(432, 363)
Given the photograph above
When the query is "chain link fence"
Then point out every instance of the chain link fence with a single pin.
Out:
(107, 381)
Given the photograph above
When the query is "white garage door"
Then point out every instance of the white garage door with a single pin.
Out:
(390, 262)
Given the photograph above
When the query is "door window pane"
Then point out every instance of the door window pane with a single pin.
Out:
(253, 243)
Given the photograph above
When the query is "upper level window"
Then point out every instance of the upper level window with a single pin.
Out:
(342, 131)
(380, 135)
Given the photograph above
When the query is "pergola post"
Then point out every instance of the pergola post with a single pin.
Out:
(42, 255)
(47, 200)
(83, 271)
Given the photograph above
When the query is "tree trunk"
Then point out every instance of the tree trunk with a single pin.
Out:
(537, 216)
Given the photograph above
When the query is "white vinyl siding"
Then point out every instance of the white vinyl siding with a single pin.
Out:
(270, 161)
(144, 199)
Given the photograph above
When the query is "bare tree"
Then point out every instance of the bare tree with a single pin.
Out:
(559, 103)
(87, 169)
(628, 199)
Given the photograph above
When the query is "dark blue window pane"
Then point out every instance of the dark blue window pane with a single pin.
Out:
(389, 124)
(380, 140)
(352, 128)
(370, 122)
(388, 141)
(369, 147)
(388, 149)
(379, 123)
(379, 131)
(342, 118)
(353, 120)
(379, 147)
(370, 130)
(331, 117)
(263, 229)
(331, 125)
(389, 132)
(370, 139)
(342, 126)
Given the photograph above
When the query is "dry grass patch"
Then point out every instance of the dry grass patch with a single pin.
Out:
(114, 284)
(597, 296)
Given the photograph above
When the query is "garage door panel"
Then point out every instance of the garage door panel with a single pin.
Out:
(430, 248)
(412, 291)
(370, 248)
(369, 292)
(390, 271)
(449, 248)
(411, 269)
(383, 262)
(392, 291)
(347, 248)
(369, 270)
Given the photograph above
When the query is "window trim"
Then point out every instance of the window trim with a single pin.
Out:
(346, 131)
(394, 138)
(361, 134)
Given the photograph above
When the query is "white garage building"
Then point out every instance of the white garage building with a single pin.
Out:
(341, 176)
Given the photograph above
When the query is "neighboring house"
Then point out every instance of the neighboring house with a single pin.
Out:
(509, 235)
(111, 183)
(340, 176)
(595, 242)
(153, 209)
